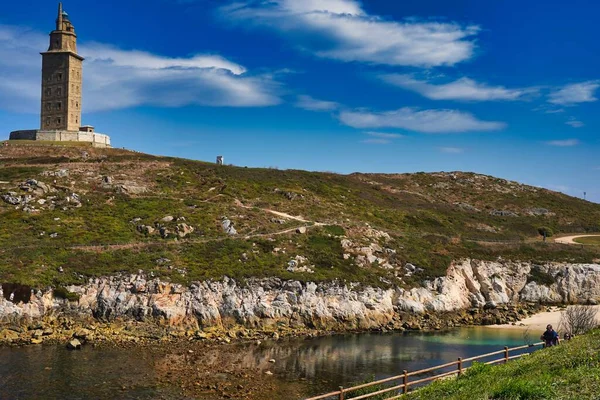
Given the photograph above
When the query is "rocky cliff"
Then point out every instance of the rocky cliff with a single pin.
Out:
(273, 302)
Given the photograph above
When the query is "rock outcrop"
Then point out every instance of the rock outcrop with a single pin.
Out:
(268, 302)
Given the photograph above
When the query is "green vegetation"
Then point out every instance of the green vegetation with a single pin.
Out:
(540, 277)
(62, 293)
(431, 219)
(593, 240)
(545, 231)
(568, 371)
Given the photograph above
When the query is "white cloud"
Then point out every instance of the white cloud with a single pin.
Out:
(97, 52)
(451, 150)
(377, 141)
(385, 135)
(342, 30)
(381, 137)
(461, 89)
(563, 143)
(575, 123)
(427, 121)
(114, 78)
(312, 104)
(575, 93)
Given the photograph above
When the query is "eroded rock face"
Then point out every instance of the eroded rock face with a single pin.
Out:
(266, 302)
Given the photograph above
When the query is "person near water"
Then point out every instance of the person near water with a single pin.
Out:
(550, 337)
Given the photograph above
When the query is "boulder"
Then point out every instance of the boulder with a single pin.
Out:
(301, 230)
(8, 335)
(164, 232)
(145, 229)
(183, 230)
(82, 334)
(13, 200)
(228, 226)
(74, 344)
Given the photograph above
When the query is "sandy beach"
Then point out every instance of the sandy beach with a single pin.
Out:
(539, 321)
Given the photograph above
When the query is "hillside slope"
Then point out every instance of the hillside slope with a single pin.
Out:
(71, 212)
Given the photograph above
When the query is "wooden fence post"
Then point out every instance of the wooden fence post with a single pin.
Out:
(459, 366)
(505, 354)
(405, 381)
(341, 393)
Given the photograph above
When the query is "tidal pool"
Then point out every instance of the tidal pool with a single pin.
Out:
(309, 366)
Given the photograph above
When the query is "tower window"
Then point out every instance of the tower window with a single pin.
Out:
(59, 120)
(59, 106)
(47, 120)
(76, 104)
(59, 77)
(48, 106)
(48, 92)
(59, 91)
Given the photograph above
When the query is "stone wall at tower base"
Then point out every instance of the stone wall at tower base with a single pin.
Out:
(96, 139)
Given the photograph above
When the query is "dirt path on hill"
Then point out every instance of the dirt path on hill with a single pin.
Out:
(570, 239)
(280, 214)
(139, 245)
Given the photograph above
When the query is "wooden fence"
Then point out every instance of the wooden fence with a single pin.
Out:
(397, 390)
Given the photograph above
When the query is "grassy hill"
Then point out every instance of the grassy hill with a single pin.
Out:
(71, 212)
(569, 371)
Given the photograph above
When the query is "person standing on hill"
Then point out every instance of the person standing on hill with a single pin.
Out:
(550, 337)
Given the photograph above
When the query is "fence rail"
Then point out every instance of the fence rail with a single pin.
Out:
(404, 387)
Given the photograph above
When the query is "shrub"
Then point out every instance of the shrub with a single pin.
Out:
(545, 231)
(62, 293)
(540, 277)
(578, 319)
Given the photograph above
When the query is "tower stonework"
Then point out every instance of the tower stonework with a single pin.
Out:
(61, 78)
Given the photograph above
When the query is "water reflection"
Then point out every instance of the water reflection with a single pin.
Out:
(347, 359)
(52, 372)
(324, 363)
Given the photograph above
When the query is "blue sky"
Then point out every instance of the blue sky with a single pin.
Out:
(504, 88)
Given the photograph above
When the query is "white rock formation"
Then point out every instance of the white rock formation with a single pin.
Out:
(261, 302)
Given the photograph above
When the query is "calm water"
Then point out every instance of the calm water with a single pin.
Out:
(48, 372)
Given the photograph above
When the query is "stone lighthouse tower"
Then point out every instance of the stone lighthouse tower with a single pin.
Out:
(62, 73)
(61, 78)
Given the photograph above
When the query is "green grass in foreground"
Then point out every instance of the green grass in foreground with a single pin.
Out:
(569, 371)
(588, 240)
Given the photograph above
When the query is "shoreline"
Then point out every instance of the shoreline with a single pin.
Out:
(539, 320)
(63, 328)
